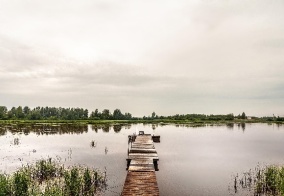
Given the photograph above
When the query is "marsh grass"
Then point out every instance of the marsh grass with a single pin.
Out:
(268, 180)
(4, 185)
(47, 177)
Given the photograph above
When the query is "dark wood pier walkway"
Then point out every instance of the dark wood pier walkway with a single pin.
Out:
(142, 162)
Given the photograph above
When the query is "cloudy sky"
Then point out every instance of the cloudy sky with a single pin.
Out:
(167, 56)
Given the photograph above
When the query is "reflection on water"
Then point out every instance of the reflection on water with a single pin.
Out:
(106, 127)
(93, 144)
(242, 126)
(49, 129)
(43, 129)
(16, 141)
(195, 159)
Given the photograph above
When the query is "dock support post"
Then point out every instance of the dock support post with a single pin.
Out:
(128, 163)
(156, 165)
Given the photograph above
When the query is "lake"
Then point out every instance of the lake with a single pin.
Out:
(193, 160)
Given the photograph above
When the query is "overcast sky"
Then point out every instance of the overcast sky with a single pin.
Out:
(191, 56)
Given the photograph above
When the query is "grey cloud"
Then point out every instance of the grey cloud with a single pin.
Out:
(171, 57)
(273, 44)
(16, 57)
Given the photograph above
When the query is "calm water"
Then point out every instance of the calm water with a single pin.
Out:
(193, 160)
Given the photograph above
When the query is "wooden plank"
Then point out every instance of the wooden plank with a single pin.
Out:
(138, 157)
(143, 154)
(140, 168)
(143, 165)
(141, 161)
(143, 157)
(141, 150)
(143, 147)
(143, 139)
(143, 144)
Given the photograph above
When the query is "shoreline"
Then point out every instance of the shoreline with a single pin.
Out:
(155, 121)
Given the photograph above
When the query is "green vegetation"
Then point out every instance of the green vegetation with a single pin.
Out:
(53, 113)
(270, 181)
(49, 178)
(262, 181)
(107, 115)
(81, 116)
(43, 113)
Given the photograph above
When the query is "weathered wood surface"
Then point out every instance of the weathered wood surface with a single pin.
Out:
(142, 150)
(142, 168)
(141, 183)
(142, 155)
(143, 144)
(142, 164)
(155, 138)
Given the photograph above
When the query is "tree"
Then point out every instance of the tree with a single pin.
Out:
(127, 116)
(35, 114)
(117, 115)
(153, 115)
(86, 114)
(3, 112)
(106, 114)
(97, 113)
(243, 116)
(229, 117)
(19, 113)
(12, 113)
(26, 111)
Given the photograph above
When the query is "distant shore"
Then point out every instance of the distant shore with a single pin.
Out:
(155, 121)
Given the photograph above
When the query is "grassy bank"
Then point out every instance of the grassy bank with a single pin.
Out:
(47, 177)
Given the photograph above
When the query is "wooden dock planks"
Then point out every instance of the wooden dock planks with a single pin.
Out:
(142, 164)
(140, 183)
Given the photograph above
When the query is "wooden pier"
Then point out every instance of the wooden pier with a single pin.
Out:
(142, 162)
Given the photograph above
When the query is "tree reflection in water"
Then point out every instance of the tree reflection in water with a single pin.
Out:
(50, 129)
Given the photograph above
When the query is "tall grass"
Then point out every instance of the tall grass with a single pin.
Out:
(47, 177)
(268, 180)
(4, 185)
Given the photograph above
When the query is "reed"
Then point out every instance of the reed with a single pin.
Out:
(270, 181)
(267, 180)
(47, 177)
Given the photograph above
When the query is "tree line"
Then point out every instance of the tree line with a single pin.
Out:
(59, 113)
(43, 113)
(55, 113)
(107, 115)
(201, 117)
